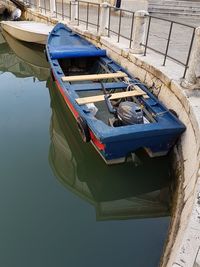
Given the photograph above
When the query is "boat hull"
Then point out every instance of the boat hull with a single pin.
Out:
(27, 31)
(114, 144)
(117, 151)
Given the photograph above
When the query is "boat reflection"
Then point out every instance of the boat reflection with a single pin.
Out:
(136, 189)
(23, 60)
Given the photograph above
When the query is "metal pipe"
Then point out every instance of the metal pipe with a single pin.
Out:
(78, 13)
(87, 15)
(147, 37)
(189, 53)
(62, 10)
(70, 14)
(120, 18)
(131, 34)
(109, 21)
(45, 7)
(56, 8)
(98, 17)
(168, 41)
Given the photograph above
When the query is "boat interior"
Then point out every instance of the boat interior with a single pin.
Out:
(80, 65)
(102, 89)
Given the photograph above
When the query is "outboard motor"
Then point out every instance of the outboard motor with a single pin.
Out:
(129, 113)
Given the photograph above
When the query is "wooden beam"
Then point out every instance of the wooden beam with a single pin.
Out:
(97, 98)
(140, 90)
(94, 77)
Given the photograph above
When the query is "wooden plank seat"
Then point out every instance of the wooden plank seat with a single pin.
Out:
(97, 86)
(93, 99)
(94, 77)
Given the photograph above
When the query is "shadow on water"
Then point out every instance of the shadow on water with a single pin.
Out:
(5, 14)
(136, 189)
(22, 59)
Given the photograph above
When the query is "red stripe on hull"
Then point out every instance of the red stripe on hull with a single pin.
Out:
(73, 110)
(95, 141)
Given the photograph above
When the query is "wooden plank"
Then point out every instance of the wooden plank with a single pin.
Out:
(92, 99)
(94, 77)
(140, 90)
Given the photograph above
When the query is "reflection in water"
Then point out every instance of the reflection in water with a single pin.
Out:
(136, 189)
(23, 60)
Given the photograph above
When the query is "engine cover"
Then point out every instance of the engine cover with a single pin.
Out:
(129, 113)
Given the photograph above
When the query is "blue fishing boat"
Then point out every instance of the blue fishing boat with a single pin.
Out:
(113, 109)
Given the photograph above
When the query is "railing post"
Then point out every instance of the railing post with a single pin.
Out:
(193, 73)
(52, 7)
(139, 27)
(38, 4)
(74, 12)
(104, 19)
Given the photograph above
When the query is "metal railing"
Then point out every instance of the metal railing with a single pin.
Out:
(118, 24)
(63, 9)
(44, 6)
(121, 26)
(85, 16)
(169, 42)
(30, 3)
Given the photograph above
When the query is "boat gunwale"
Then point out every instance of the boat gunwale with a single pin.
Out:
(163, 126)
(15, 26)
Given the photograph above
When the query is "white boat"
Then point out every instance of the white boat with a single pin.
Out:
(28, 31)
(32, 54)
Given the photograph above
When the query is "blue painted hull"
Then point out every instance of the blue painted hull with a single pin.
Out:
(113, 143)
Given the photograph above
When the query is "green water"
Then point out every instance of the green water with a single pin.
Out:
(60, 205)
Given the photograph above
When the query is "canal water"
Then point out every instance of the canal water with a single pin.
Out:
(60, 205)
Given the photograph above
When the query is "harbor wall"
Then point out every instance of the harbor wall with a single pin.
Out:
(183, 242)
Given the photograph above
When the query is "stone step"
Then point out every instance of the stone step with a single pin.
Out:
(175, 3)
(174, 7)
(169, 10)
(195, 16)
